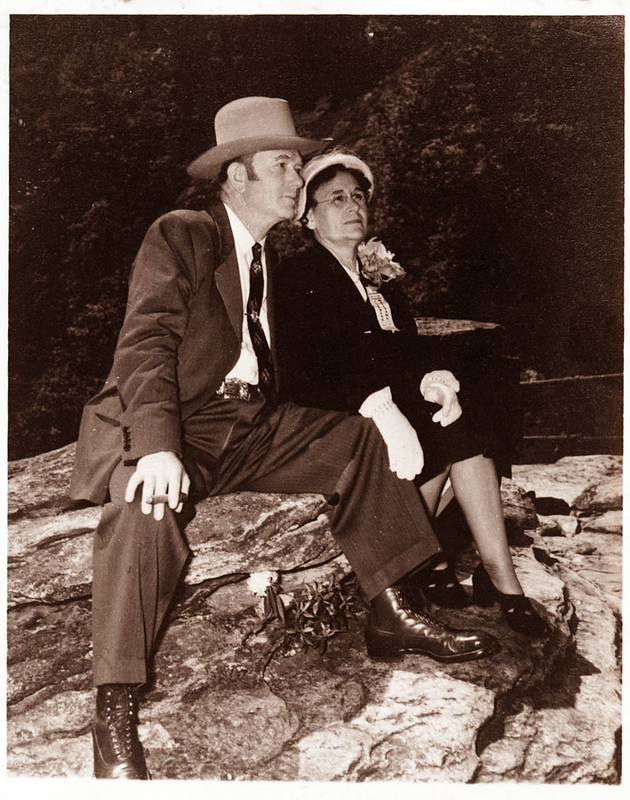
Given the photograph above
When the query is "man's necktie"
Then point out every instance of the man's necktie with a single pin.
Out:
(266, 379)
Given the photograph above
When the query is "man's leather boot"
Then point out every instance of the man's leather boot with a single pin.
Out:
(396, 626)
(117, 749)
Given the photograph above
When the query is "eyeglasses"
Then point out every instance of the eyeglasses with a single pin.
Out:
(341, 199)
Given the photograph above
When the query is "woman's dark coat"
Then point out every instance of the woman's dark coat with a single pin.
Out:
(332, 354)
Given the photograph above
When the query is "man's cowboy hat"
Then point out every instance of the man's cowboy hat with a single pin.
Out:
(317, 164)
(249, 125)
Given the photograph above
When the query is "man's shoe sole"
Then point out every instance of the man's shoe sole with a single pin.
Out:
(384, 647)
(102, 770)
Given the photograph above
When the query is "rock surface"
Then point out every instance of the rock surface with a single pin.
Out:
(227, 701)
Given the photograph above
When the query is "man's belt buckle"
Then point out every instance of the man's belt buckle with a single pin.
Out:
(234, 389)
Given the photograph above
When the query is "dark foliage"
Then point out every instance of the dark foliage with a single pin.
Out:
(496, 141)
(311, 619)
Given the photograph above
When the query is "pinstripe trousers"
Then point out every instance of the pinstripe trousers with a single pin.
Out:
(377, 519)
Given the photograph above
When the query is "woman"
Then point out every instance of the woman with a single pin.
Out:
(347, 341)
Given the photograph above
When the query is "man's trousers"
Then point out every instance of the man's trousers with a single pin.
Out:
(377, 519)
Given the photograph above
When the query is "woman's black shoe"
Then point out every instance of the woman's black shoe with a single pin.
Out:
(441, 587)
(517, 609)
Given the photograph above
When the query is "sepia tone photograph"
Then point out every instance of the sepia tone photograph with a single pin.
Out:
(315, 397)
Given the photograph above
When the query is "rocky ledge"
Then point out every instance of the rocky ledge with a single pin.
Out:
(242, 693)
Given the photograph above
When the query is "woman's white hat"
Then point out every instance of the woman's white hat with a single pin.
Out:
(249, 125)
(319, 163)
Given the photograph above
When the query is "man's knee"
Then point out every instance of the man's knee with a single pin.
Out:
(118, 482)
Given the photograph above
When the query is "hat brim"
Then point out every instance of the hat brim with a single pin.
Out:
(320, 163)
(208, 164)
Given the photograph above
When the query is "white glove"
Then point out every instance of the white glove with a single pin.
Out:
(406, 458)
(446, 397)
(439, 376)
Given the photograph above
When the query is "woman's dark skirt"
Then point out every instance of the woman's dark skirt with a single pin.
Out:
(472, 434)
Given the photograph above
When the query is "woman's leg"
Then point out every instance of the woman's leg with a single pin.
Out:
(431, 492)
(476, 488)
(438, 582)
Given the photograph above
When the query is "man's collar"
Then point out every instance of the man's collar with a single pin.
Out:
(242, 237)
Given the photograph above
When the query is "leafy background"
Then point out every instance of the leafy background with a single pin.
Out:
(497, 143)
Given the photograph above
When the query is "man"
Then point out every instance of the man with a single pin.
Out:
(189, 410)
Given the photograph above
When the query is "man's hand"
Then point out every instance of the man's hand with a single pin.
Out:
(160, 474)
(446, 397)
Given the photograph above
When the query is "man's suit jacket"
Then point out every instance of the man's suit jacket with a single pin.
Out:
(180, 338)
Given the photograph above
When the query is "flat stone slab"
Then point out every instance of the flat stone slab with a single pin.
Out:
(234, 696)
(580, 481)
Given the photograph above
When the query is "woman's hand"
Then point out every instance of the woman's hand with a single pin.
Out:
(406, 457)
(444, 376)
(446, 397)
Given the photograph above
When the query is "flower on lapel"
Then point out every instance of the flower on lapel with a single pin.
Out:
(377, 262)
